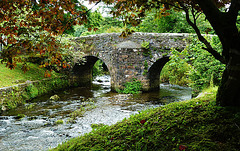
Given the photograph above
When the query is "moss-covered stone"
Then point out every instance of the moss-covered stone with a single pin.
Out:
(16, 95)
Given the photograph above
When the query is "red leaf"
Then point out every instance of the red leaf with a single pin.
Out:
(47, 74)
(89, 29)
(182, 147)
(142, 121)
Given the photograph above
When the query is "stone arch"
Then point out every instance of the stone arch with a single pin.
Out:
(154, 72)
(82, 72)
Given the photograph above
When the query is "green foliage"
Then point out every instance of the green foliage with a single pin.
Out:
(147, 53)
(20, 116)
(155, 22)
(70, 29)
(109, 22)
(175, 22)
(132, 87)
(32, 91)
(95, 20)
(176, 71)
(113, 29)
(194, 66)
(206, 69)
(13, 102)
(145, 44)
(97, 68)
(97, 25)
(97, 126)
(197, 124)
(78, 113)
(238, 21)
(30, 106)
(103, 29)
(145, 67)
(78, 30)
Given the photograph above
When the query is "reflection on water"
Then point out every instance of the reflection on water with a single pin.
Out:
(37, 130)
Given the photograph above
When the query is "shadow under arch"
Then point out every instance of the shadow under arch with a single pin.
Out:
(82, 72)
(154, 73)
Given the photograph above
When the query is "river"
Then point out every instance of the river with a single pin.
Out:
(43, 124)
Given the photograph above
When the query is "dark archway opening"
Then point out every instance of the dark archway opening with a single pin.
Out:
(154, 73)
(83, 71)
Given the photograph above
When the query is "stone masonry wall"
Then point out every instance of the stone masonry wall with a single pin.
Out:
(127, 59)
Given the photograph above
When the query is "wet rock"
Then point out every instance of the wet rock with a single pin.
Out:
(55, 97)
(3, 108)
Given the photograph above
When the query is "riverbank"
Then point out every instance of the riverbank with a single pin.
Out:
(42, 123)
(17, 87)
(196, 124)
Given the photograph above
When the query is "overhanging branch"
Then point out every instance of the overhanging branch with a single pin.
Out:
(209, 48)
(234, 9)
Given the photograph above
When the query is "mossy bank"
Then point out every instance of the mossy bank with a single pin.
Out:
(12, 96)
(198, 124)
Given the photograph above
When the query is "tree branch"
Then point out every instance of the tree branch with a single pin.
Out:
(70, 21)
(204, 40)
(233, 9)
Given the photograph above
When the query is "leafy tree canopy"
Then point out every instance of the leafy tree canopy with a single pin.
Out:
(31, 27)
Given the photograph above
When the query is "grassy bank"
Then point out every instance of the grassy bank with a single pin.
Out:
(15, 76)
(26, 86)
(197, 124)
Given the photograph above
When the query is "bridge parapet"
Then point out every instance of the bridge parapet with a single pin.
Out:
(163, 41)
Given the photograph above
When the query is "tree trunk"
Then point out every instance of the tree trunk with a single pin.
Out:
(229, 90)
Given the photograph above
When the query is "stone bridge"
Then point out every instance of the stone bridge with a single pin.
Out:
(140, 56)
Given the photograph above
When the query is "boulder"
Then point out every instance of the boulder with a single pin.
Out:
(55, 97)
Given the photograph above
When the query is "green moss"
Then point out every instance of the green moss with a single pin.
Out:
(97, 126)
(58, 122)
(145, 67)
(145, 45)
(20, 116)
(197, 124)
(164, 54)
(32, 91)
(78, 113)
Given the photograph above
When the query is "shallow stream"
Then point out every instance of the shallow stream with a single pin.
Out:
(42, 123)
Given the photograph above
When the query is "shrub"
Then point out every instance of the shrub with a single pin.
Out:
(32, 91)
(132, 87)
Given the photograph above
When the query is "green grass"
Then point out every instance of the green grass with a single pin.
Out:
(12, 77)
(197, 124)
